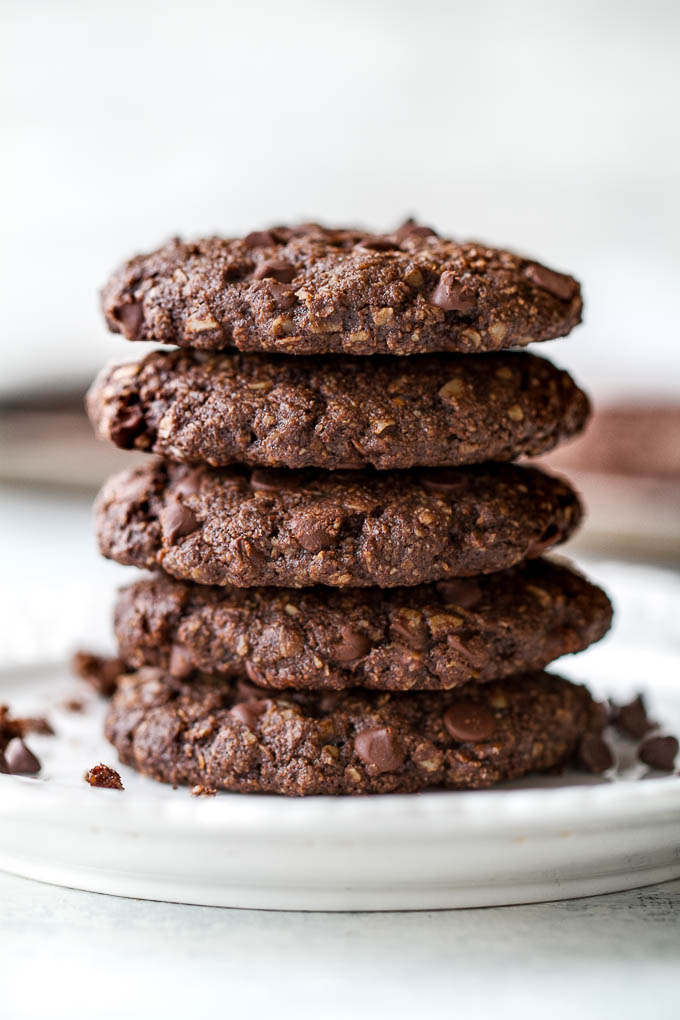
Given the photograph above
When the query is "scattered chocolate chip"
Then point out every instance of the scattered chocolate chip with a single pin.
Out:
(378, 747)
(376, 242)
(248, 712)
(351, 645)
(20, 759)
(4, 767)
(659, 753)
(453, 296)
(264, 480)
(284, 297)
(557, 284)
(468, 721)
(104, 777)
(412, 229)
(260, 239)
(99, 671)
(131, 317)
(203, 791)
(275, 269)
(126, 426)
(632, 718)
(593, 754)
(411, 630)
(460, 591)
(177, 521)
(180, 662)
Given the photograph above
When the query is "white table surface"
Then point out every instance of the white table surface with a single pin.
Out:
(71, 954)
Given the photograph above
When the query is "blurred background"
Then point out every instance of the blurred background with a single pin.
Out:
(548, 127)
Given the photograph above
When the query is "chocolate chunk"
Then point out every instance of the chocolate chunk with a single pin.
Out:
(379, 748)
(20, 759)
(248, 712)
(452, 296)
(259, 239)
(104, 777)
(632, 718)
(130, 317)
(284, 297)
(4, 767)
(177, 521)
(126, 426)
(180, 662)
(351, 646)
(313, 536)
(594, 754)
(659, 753)
(462, 591)
(558, 284)
(468, 721)
(275, 269)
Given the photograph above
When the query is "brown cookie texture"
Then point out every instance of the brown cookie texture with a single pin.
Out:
(211, 732)
(313, 290)
(428, 637)
(339, 412)
(246, 528)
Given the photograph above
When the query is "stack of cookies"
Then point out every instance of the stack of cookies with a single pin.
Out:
(348, 593)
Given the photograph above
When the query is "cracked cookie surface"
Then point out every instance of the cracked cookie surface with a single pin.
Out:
(339, 412)
(312, 290)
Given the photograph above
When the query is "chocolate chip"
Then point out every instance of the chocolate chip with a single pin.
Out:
(4, 767)
(275, 269)
(264, 480)
(249, 691)
(659, 753)
(548, 537)
(594, 754)
(452, 296)
(248, 712)
(376, 242)
(254, 674)
(412, 229)
(126, 426)
(471, 652)
(379, 748)
(313, 536)
(20, 759)
(284, 298)
(411, 630)
(104, 777)
(259, 239)
(460, 592)
(558, 284)
(445, 481)
(189, 484)
(633, 719)
(468, 721)
(131, 317)
(180, 662)
(177, 521)
(351, 645)
(329, 700)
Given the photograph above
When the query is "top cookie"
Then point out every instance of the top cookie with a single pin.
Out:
(311, 290)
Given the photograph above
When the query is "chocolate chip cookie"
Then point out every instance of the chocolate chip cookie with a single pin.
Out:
(428, 637)
(243, 527)
(210, 732)
(310, 290)
(340, 412)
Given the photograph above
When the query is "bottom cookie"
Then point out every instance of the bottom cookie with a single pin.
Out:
(230, 735)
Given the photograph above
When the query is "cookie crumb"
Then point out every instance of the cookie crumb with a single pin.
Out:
(74, 705)
(18, 727)
(203, 791)
(99, 671)
(104, 776)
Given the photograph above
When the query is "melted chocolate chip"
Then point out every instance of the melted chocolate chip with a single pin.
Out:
(260, 239)
(20, 759)
(189, 484)
(659, 753)
(461, 591)
(313, 536)
(376, 242)
(468, 721)
(594, 754)
(130, 317)
(177, 521)
(412, 631)
(444, 481)
(284, 298)
(264, 480)
(452, 296)
(557, 284)
(126, 426)
(412, 229)
(379, 748)
(351, 645)
(275, 269)
(248, 712)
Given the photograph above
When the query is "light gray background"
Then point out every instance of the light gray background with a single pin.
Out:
(547, 126)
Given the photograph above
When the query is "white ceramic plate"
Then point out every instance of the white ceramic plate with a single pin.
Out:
(539, 839)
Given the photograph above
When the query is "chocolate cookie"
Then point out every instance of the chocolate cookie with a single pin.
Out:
(341, 412)
(429, 637)
(309, 290)
(235, 526)
(209, 732)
